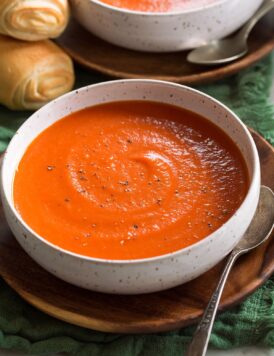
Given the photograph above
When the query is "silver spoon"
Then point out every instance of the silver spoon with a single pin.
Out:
(229, 49)
(259, 230)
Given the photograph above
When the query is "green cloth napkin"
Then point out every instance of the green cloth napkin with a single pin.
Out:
(26, 329)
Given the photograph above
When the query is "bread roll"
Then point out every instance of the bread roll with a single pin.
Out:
(33, 20)
(32, 73)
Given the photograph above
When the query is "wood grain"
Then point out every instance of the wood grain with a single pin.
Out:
(114, 61)
(155, 312)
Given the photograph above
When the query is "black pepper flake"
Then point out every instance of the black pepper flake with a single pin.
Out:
(177, 192)
(158, 201)
(81, 171)
(124, 183)
(149, 183)
(209, 225)
(67, 200)
(50, 168)
(129, 141)
(135, 226)
(158, 179)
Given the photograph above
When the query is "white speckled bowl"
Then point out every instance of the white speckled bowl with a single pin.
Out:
(143, 275)
(164, 32)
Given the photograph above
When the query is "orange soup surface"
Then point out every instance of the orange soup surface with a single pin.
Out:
(158, 5)
(129, 180)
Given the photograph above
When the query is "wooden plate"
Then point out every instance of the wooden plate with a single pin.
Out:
(155, 312)
(117, 62)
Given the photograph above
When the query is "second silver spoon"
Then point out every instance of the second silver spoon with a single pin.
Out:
(229, 49)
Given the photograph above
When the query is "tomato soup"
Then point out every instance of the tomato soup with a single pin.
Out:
(129, 180)
(157, 5)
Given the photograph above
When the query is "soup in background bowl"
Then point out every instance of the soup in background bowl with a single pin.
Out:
(130, 186)
(158, 5)
(173, 26)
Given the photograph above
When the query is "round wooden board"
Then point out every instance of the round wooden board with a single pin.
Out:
(156, 312)
(98, 55)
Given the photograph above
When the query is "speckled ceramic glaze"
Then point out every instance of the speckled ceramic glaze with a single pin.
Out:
(132, 276)
(164, 32)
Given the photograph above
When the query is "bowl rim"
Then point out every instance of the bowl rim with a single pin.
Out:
(9, 200)
(158, 14)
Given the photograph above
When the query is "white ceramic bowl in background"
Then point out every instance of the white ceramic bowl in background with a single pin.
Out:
(143, 275)
(163, 32)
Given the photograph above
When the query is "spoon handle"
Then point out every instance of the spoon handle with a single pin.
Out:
(198, 345)
(263, 10)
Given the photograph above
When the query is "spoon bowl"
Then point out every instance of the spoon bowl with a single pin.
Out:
(262, 224)
(218, 52)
